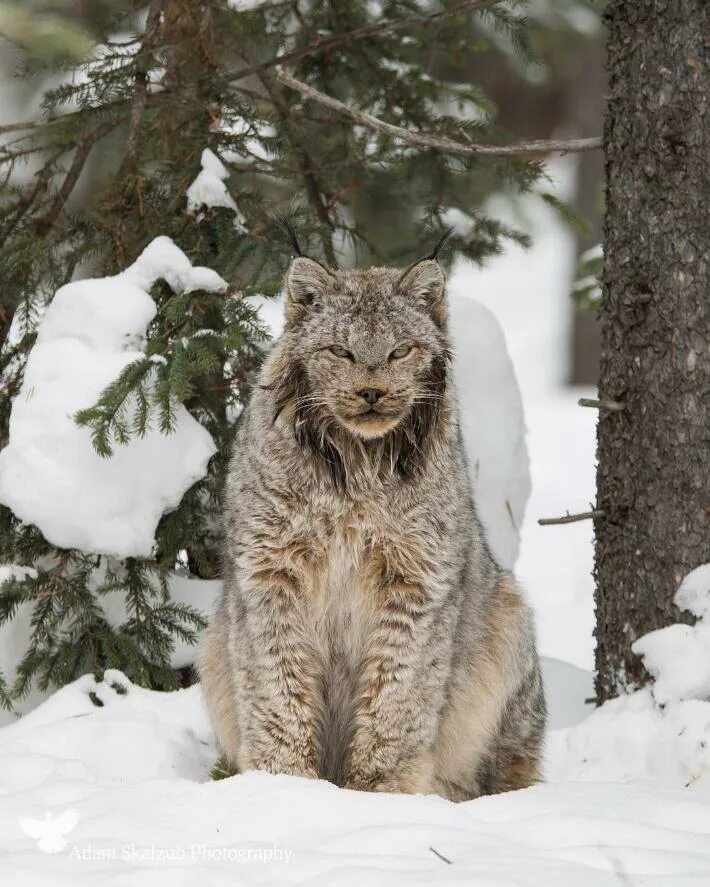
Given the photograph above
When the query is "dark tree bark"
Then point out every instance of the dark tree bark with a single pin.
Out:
(654, 457)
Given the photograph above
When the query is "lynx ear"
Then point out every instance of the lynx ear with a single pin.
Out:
(425, 283)
(306, 280)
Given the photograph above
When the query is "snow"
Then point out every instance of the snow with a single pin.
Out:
(12, 571)
(635, 738)
(492, 422)
(678, 656)
(694, 592)
(123, 790)
(209, 190)
(463, 225)
(248, 5)
(92, 330)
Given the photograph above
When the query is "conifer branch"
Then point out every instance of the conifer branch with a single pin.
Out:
(307, 168)
(140, 98)
(15, 213)
(18, 127)
(434, 142)
(335, 41)
(44, 222)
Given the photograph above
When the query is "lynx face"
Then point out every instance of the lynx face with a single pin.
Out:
(370, 345)
(361, 369)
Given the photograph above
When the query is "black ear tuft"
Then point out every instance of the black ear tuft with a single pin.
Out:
(434, 256)
(281, 220)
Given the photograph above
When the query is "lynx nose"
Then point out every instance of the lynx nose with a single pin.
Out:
(371, 395)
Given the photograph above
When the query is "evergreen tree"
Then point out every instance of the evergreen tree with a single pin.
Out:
(120, 141)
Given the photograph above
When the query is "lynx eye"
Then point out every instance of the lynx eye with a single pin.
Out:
(339, 351)
(400, 352)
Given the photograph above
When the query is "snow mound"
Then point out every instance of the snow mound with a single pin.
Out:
(662, 731)
(678, 656)
(693, 592)
(209, 189)
(633, 737)
(492, 422)
(491, 413)
(118, 776)
(50, 474)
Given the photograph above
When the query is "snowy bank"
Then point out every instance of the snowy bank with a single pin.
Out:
(118, 788)
(108, 783)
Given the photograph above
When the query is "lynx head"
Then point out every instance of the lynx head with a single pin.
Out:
(364, 358)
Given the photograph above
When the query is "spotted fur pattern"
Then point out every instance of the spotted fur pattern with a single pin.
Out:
(366, 635)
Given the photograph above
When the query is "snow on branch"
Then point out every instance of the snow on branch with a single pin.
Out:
(434, 142)
(209, 189)
(92, 333)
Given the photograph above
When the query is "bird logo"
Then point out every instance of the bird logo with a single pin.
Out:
(50, 831)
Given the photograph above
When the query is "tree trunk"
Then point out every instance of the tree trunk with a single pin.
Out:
(653, 478)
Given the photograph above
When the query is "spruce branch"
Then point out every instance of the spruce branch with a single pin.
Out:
(435, 142)
(142, 61)
(307, 168)
(5, 697)
(346, 38)
(44, 222)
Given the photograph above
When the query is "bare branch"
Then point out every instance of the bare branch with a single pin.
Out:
(571, 518)
(17, 127)
(602, 404)
(436, 143)
(323, 44)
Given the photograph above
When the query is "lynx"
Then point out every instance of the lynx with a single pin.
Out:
(365, 634)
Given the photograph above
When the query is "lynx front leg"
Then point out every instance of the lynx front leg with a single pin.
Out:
(401, 693)
(282, 678)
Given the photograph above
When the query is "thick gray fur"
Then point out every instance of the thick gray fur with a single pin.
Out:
(365, 634)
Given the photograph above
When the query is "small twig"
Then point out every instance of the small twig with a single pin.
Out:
(441, 856)
(570, 518)
(601, 404)
(436, 143)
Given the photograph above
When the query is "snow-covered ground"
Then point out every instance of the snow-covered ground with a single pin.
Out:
(109, 784)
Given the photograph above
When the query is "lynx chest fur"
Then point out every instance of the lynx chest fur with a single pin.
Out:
(365, 634)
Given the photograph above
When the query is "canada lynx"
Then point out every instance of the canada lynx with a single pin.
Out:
(365, 634)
